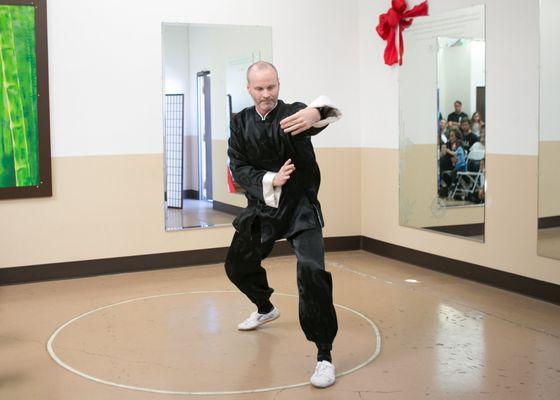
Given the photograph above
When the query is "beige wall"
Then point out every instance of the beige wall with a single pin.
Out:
(418, 189)
(102, 206)
(112, 206)
(339, 193)
(511, 216)
(549, 178)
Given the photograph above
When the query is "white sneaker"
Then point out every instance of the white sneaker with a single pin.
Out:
(324, 375)
(255, 320)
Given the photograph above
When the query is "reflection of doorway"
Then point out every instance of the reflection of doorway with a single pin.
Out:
(204, 131)
(481, 101)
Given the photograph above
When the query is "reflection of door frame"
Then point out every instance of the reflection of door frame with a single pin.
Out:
(481, 102)
(204, 134)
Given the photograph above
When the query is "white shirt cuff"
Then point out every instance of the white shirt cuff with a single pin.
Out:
(333, 115)
(271, 194)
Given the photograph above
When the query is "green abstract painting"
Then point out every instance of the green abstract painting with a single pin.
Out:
(19, 140)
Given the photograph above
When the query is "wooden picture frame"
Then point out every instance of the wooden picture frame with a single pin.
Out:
(24, 101)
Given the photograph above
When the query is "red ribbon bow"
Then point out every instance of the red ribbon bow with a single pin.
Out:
(397, 16)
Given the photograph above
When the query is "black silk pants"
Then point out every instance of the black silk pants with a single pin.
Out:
(317, 315)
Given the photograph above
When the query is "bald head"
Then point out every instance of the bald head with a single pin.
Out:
(263, 86)
(259, 67)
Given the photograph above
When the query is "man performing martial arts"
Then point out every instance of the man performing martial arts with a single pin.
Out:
(272, 159)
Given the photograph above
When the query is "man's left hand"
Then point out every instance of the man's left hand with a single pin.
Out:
(300, 121)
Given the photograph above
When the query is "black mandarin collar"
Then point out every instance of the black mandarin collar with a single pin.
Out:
(270, 116)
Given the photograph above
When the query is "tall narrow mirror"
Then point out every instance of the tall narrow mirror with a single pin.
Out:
(442, 118)
(204, 84)
(549, 130)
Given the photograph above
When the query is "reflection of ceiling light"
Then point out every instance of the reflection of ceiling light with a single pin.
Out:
(411, 280)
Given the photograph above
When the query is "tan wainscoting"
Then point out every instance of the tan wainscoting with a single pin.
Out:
(549, 179)
(510, 224)
(112, 206)
(418, 192)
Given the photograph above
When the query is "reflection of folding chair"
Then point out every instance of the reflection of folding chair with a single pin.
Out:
(469, 181)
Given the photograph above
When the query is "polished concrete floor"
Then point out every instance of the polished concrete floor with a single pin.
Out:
(549, 243)
(195, 214)
(405, 333)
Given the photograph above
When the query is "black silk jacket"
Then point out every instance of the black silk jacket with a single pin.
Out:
(257, 146)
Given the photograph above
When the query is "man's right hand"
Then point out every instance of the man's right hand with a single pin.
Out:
(283, 175)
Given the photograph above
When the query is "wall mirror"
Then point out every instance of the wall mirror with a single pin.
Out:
(442, 117)
(549, 131)
(204, 84)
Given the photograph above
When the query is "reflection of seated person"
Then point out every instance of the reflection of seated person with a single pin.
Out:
(443, 128)
(482, 136)
(469, 138)
(476, 151)
(450, 149)
(445, 163)
(477, 124)
(458, 158)
(443, 132)
(456, 116)
(479, 194)
(452, 160)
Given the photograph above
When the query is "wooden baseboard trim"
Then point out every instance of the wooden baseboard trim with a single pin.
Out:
(504, 280)
(549, 222)
(227, 208)
(460, 230)
(77, 269)
(117, 265)
(190, 194)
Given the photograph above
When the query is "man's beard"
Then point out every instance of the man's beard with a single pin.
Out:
(267, 104)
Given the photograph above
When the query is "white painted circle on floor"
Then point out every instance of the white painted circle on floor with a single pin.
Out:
(60, 362)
